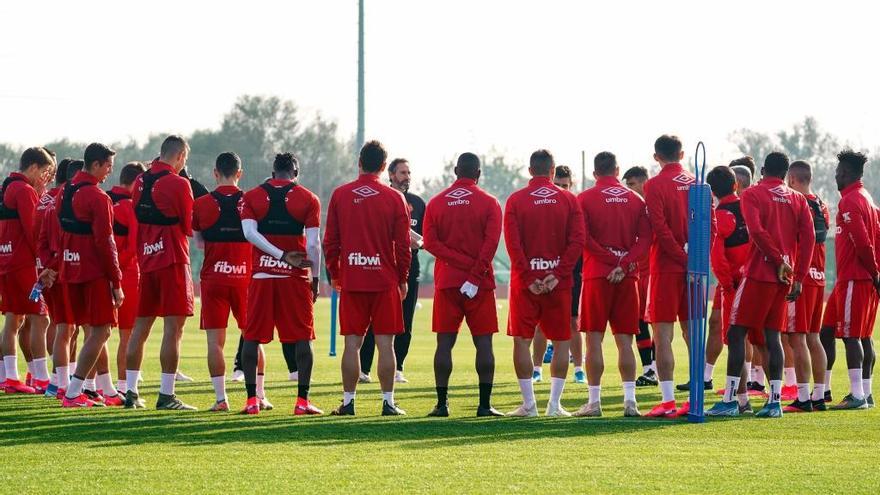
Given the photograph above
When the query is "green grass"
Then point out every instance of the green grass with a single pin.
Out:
(44, 449)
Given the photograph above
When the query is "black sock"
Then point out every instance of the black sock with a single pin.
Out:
(251, 389)
(442, 395)
(485, 395)
(302, 390)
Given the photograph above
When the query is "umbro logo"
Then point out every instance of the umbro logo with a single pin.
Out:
(458, 193)
(544, 192)
(781, 190)
(683, 179)
(615, 191)
(365, 191)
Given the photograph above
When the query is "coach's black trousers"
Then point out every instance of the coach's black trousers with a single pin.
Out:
(402, 341)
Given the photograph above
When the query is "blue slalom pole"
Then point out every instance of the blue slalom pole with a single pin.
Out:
(334, 302)
(699, 232)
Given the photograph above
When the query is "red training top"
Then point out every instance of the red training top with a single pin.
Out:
(367, 238)
(816, 275)
(228, 259)
(160, 246)
(543, 232)
(123, 218)
(781, 227)
(462, 229)
(731, 243)
(666, 195)
(856, 236)
(618, 232)
(18, 245)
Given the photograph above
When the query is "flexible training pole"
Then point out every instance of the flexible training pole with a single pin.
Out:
(699, 231)
(334, 302)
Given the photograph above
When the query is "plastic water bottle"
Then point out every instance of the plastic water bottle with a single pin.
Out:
(36, 292)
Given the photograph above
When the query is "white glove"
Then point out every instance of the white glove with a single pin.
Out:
(469, 289)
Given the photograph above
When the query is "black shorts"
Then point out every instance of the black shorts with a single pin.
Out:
(577, 283)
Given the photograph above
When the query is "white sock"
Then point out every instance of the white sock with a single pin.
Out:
(166, 383)
(645, 369)
(347, 397)
(667, 391)
(63, 373)
(3, 373)
(261, 385)
(528, 392)
(707, 372)
(10, 363)
(89, 384)
(827, 379)
(41, 369)
(629, 391)
(105, 385)
(790, 377)
(53, 379)
(731, 383)
(72, 367)
(30, 368)
(803, 392)
(578, 368)
(750, 372)
(557, 385)
(75, 388)
(219, 383)
(855, 383)
(818, 391)
(121, 386)
(388, 397)
(760, 377)
(131, 380)
(866, 386)
(537, 368)
(654, 366)
(742, 399)
(775, 391)
(595, 393)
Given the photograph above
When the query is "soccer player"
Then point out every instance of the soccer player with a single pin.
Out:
(367, 245)
(282, 220)
(125, 236)
(635, 178)
(544, 235)
(805, 315)
(163, 207)
(399, 178)
(226, 269)
(780, 225)
(666, 195)
(618, 235)
(729, 253)
(18, 255)
(462, 230)
(88, 269)
(857, 276)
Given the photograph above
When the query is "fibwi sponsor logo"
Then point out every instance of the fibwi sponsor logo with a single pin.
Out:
(457, 195)
(615, 193)
(155, 248)
(6, 248)
(227, 268)
(70, 256)
(618, 252)
(816, 274)
(546, 194)
(358, 259)
(781, 194)
(267, 261)
(364, 192)
(685, 181)
(542, 264)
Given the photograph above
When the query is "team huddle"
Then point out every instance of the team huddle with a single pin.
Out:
(76, 257)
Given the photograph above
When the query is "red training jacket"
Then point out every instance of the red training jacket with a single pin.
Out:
(666, 195)
(856, 236)
(816, 275)
(18, 245)
(728, 261)
(164, 245)
(226, 263)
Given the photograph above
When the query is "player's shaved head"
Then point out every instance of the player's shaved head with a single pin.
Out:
(721, 180)
(372, 157)
(668, 148)
(227, 164)
(605, 164)
(130, 172)
(800, 171)
(745, 161)
(541, 163)
(775, 165)
(172, 146)
(743, 176)
(468, 166)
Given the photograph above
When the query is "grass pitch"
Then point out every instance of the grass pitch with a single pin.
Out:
(44, 449)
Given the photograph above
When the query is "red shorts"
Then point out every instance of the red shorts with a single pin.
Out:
(667, 298)
(451, 307)
(282, 303)
(91, 303)
(218, 300)
(725, 302)
(131, 280)
(805, 314)
(605, 303)
(166, 292)
(759, 306)
(15, 287)
(552, 311)
(855, 302)
(643, 297)
(56, 302)
(829, 319)
(358, 310)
